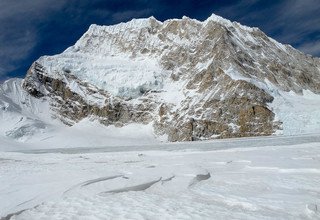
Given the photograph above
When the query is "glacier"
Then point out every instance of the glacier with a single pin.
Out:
(246, 178)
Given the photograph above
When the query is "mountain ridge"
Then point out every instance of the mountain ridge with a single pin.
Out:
(193, 80)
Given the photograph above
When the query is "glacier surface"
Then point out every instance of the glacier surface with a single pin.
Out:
(252, 178)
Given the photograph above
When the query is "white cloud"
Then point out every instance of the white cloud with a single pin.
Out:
(19, 21)
(288, 21)
(312, 48)
(298, 19)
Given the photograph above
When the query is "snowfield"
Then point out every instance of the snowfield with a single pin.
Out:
(252, 178)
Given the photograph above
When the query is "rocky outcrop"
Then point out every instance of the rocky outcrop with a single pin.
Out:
(241, 112)
(222, 75)
(70, 107)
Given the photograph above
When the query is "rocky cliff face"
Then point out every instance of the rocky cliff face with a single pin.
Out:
(193, 80)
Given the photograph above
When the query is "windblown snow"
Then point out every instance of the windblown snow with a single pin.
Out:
(254, 178)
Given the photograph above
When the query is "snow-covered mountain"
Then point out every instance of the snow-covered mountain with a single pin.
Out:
(181, 79)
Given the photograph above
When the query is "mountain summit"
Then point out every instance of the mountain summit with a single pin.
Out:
(189, 79)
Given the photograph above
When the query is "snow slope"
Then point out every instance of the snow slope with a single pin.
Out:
(27, 123)
(22, 115)
(246, 181)
(300, 114)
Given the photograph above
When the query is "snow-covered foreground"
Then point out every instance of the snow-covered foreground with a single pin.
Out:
(236, 180)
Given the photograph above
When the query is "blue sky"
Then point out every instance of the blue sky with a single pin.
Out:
(32, 28)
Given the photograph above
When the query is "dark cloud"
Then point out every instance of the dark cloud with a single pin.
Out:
(32, 28)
